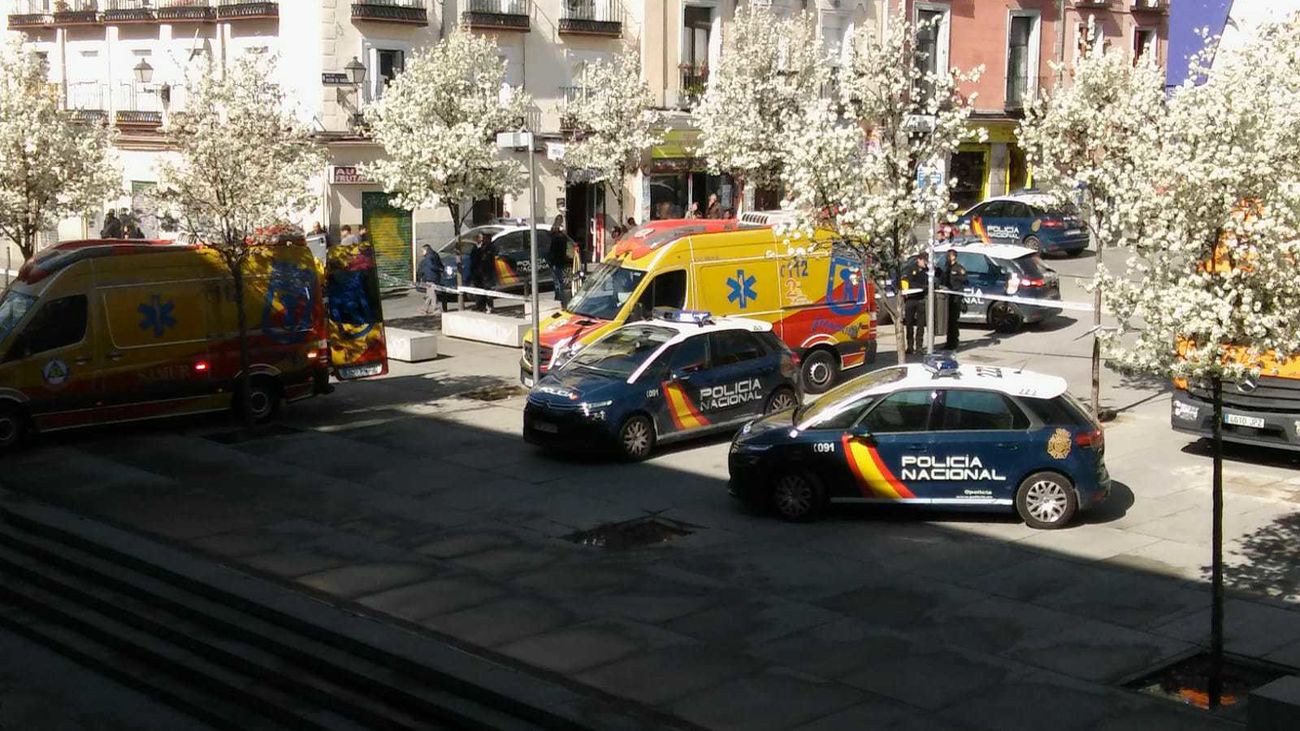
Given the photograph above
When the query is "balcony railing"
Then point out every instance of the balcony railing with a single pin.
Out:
(571, 94)
(1091, 3)
(1150, 6)
(695, 79)
(497, 14)
(592, 17)
(30, 14)
(393, 11)
(199, 10)
(138, 108)
(128, 11)
(247, 9)
(76, 12)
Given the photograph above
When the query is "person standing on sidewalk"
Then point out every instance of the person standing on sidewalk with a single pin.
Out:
(953, 279)
(483, 270)
(558, 258)
(916, 280)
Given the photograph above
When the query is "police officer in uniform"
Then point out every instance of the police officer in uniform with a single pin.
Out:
(953, 278)
(917, 279)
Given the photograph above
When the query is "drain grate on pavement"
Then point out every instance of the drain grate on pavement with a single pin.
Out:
(494, 393)
(1186, 681)
(634, 533)
(237, 436)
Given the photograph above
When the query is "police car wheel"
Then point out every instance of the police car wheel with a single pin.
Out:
(1046, 501)
(1033, 242)
(636, 438)
(13, 427)
(782, 399)
(819, 371)
(797, 496)
(1005, 317)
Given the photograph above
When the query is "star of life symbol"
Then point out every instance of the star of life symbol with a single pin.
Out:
(157, 315)
(742, 289)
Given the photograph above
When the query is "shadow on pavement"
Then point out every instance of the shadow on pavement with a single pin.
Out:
(1245, 454)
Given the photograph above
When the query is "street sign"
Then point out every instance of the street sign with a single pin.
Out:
(929, 176)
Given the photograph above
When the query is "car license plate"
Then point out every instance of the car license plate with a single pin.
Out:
(361, 371)
(1074, 232)
(1253, 422)
(546, 426)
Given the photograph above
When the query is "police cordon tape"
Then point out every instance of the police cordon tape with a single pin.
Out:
(484, 292)
(977, 295)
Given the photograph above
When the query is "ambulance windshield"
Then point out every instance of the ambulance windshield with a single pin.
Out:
(606, 291)
(12, 308)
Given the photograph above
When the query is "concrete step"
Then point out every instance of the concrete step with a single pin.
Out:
(485, 327)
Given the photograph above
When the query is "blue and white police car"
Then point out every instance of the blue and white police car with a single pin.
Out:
(1027, 218)
(941, 434)
(677, 375)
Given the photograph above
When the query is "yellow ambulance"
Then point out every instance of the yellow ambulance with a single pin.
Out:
(816, 293)
(106, 331)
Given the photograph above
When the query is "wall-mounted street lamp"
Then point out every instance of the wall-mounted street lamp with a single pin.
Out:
(144, 77)
(356, 71)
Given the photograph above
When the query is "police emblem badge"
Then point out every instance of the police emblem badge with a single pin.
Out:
(1058, 446)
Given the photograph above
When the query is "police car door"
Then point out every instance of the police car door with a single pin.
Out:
(883, 450)
(735, 388)
(678, 408)
(979, 444)
(979, 279)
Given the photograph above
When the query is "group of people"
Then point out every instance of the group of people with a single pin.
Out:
(917, 285)
(120, 225)
(712, 209)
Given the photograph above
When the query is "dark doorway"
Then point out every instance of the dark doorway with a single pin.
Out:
(486, 210)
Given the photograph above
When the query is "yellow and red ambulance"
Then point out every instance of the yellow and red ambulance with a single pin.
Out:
(814, 291)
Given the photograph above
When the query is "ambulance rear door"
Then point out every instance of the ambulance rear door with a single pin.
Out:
(355, 317)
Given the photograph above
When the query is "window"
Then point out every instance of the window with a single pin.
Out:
(846, 416)
(1089, 40)
(996, 209)
(980, 411)
(515, 243)
(58, 324)
(1016, 209)
(902, 411)
(1055, 411)
(699, 24)
(1144, 40)
(667, 289)
(690, 355)
(928, 24)
(1022, 58)
(386, 64)
(735, 346)
(974, 263)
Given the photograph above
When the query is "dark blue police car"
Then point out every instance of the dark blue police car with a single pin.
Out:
(944, 435)
(677, 375)
(1028, 218)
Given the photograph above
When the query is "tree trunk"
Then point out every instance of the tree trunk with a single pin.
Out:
(454, 210)
(1216, 553)
(899, 335)
(1096, 321)
(242, 384)
(27, 245)
(740, 196)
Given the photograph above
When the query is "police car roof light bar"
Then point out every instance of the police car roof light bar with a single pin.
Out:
(940, 365)
(672, 314)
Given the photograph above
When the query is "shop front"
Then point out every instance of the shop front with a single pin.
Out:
(675, 179)
(988, 169)
(355, 200)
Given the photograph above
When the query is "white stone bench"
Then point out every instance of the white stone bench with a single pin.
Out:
(1276, 706)
(485, 328)
(411, 346)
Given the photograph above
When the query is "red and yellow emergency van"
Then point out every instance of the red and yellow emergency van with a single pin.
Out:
(815, 292)
(105, 331)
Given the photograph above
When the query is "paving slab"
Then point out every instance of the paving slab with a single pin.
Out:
(415, 602)
(769, 701)
(503, 620)
(1249, 628)
(882, 713)
(356, 580)
(661, 676)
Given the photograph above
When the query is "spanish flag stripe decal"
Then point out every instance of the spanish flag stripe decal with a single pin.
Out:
(898, 488)
(681, 410)
(977, 223)
(873, 477)
(506, 275)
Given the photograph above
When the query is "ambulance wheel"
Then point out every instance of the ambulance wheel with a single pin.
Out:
(1032, 242)
(13, 428)
(263, 399)
(819, 371)
(781, 399)
(1046, 501)
(1005, 317)
(636, 438)
(797, 496)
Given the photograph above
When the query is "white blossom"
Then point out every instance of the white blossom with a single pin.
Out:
(52, 165)
(437, 123)
(851, 159)
(769, 67)
(611, 121)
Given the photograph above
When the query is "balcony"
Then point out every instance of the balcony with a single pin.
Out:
(695, 79)
(571, 94)
(1092, 4)
(76, 12)
(247, 9)
(497, 15)
(1153, 7)
(182, 10)
(30, 14)
(128, 11)
(592, 18)
(392, 11)
(136, 109)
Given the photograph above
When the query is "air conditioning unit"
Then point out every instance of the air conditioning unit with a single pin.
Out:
(765, 219)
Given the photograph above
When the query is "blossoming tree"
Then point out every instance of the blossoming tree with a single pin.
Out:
(770, 65)
(851, 160)
(611, 123)
(1093, 141)
(1209, 297)
(243, 163)
(52, 165)
(437, 122)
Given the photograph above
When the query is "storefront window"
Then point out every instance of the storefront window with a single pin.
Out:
(969, 169)
(671, 195)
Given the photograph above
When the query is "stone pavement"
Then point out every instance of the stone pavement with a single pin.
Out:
(407, 497)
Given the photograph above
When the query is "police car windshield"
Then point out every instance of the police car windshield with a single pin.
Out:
(605, 291)
(13, 306)
(620, 353)
(832, 400)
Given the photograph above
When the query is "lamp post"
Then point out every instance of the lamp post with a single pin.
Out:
(144, 77)
(515, 140)
(356, 72)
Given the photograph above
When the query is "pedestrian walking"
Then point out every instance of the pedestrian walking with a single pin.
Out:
(112, 226)
(429, 274)
(714, 208)
(954, 280)
(483, 270)
(347, 237)
(558, 257)
(916, 279)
